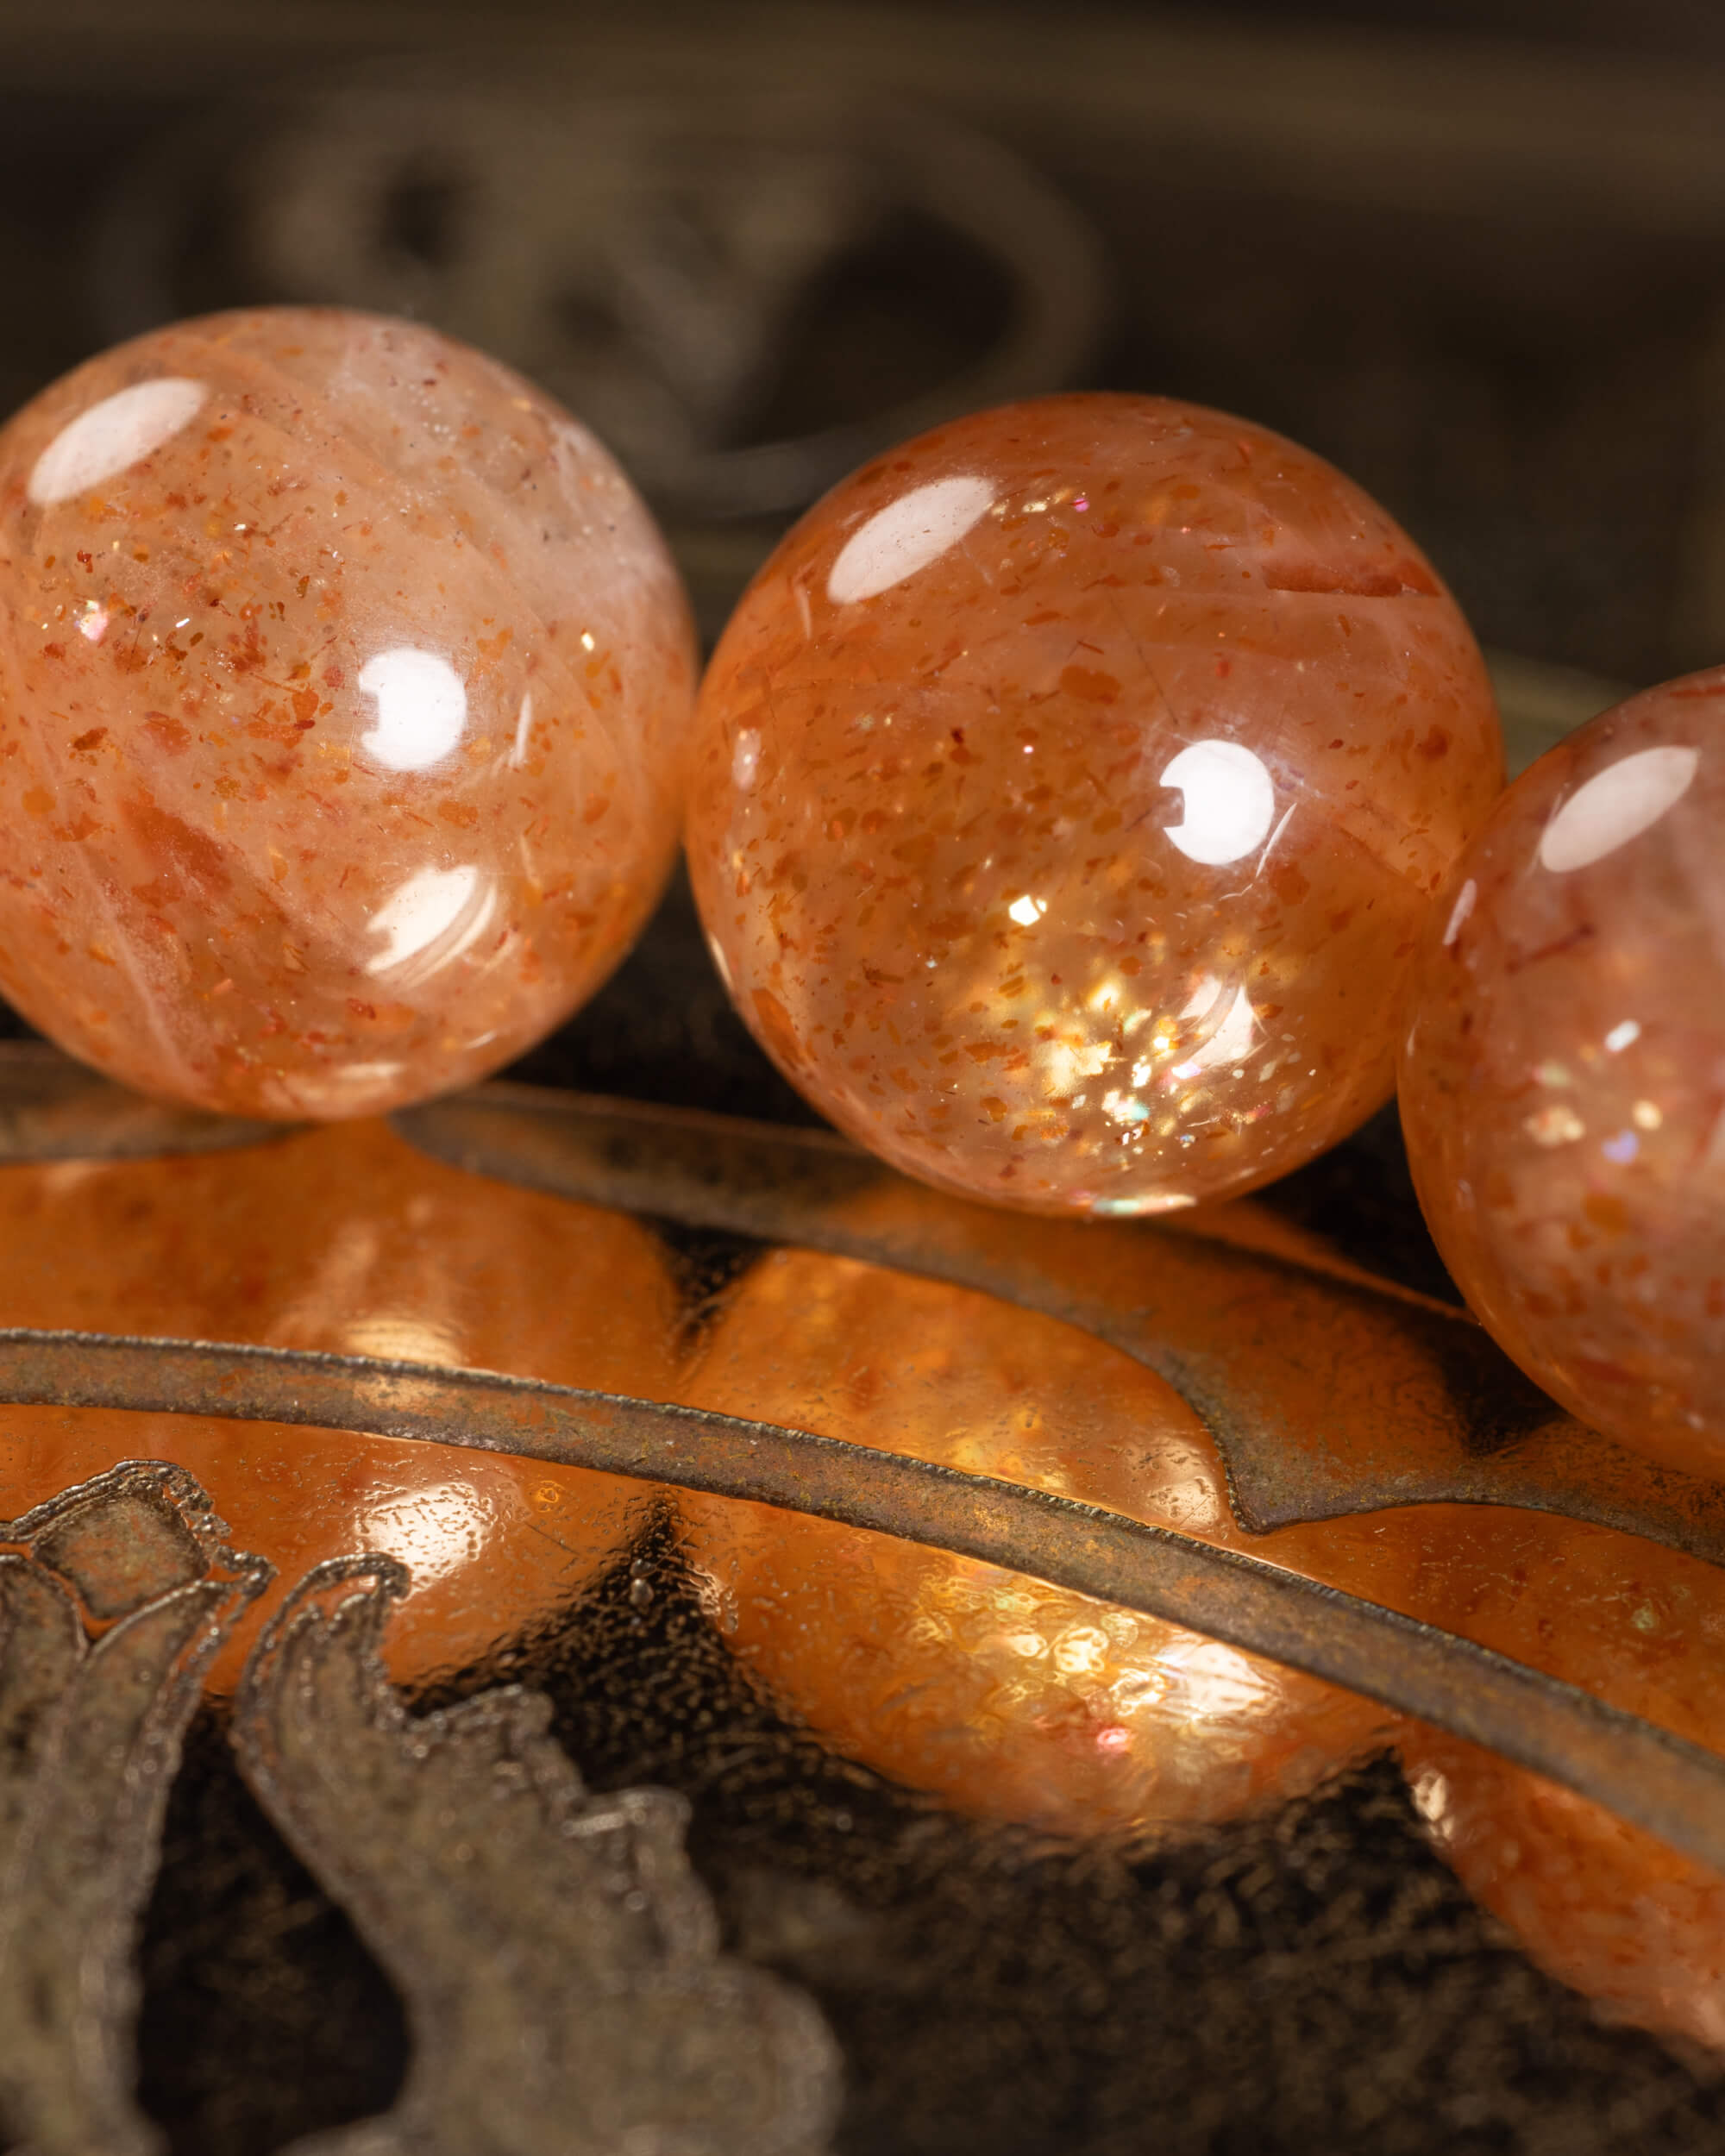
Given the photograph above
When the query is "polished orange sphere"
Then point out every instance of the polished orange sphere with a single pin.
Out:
(1563, 1079)
(1007, 1698)
(347, 1240)
(344, 694)
(1071, 785)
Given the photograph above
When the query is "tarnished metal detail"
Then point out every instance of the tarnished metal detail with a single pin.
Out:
(52, 1108)
(559, 1957)
(1646, 1775)
(113, 1598)
(1190, 1305)
(1329, 1392)
(1290, 1363)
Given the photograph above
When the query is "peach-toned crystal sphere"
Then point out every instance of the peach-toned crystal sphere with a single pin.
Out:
(1070, 786)
(347, 1240)
(1608, 1907)
(344, 689)
(1563, 1084)
(1007, 1698)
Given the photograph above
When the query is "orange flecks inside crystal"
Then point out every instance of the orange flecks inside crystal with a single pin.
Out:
(1562, 1085)
(1071, 785)
(344, 684)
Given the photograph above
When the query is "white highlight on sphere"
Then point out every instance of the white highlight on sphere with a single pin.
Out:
(111, 436)
(1232, 1038)
(428, 920)
(1230, 802)
(1558, 1124)
(348, 1079)
(1028, 911)
(523, 733)
(1143, 1205)
(1431, 1795)
(1615, 805)
(403, 1336)
(905, 536)
(721, 963)
(1459, 912)
(422, 708)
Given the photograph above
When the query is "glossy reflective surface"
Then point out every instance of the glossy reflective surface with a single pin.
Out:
(1562, 1085)
(343, 688)
(1071, 785)
(1007, 1698)
(1605, 1907)
(347, 1240)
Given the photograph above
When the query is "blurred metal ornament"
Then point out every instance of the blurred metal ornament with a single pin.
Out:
(650, 257)
(1539, 703)
(52, 1108)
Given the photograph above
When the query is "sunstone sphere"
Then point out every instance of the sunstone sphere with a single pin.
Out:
(1563, 1079)
(344, 689)
(1070, 787)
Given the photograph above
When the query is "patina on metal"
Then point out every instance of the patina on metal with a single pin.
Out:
(559, 1957)
(114, 1597)
(1284, 1360)
(52, 1108)
(1647, 1775)
(1230, 1326)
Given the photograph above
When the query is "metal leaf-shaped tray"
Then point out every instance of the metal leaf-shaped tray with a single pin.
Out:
(1326, 1390)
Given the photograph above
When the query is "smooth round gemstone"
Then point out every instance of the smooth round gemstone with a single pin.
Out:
(1609, 1908)
(1070, 786)
(344, 689)
(1007, 1698)
(1563, 1080)
(348, 1240)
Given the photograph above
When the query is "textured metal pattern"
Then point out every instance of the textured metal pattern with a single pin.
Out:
(559, 1957)
(803, 1188)
(113, 1598)
(1512, 234)
(1656, 1780)
(1227, 1327)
